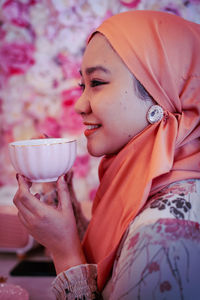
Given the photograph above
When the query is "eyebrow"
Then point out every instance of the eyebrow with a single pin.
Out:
(91, 70)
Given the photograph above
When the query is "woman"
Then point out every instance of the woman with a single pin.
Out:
(140, 104)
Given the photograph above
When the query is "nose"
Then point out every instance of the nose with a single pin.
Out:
(82, 105)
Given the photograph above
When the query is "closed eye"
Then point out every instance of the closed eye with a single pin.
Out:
(93, 83)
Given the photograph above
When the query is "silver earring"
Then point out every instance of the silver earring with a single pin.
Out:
(155, 114)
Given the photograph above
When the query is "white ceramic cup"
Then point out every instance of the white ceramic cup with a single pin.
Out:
(43, 160)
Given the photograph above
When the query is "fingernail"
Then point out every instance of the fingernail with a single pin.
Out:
(37, 195)
(45, 135)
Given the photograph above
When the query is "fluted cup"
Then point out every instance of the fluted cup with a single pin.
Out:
(43, 160)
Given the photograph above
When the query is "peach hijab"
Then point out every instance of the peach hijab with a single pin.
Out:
(163, 52)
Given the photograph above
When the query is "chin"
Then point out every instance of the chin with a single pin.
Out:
(96, 149)
(98, 152)
(95, 153)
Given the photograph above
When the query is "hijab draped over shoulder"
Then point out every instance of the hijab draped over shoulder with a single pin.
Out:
(163, 52)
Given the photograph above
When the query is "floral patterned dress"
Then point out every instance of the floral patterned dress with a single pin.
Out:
(158, 257)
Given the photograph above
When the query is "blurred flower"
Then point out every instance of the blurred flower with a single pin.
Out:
(2, 31)
(81, 166)
(70, 66)
(50, 127)
(171, 8)
(130, 3)
(99, 7)
(16, 58)
(69, 120)
(194, 1)
(1, 106)
(17, 12)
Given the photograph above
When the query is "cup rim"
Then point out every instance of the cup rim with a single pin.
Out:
(43, 142)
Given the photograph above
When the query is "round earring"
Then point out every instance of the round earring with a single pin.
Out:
(155, 114)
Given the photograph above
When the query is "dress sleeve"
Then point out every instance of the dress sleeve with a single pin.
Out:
(79, 282)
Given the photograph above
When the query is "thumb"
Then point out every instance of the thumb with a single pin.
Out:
(64, 201)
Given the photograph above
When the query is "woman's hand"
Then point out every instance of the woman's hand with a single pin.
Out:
(81, 221)
(55, 228)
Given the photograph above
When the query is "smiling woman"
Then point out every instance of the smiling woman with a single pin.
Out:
(142, 241)
(109, 105)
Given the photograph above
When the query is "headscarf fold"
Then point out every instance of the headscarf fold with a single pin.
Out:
(163, 52)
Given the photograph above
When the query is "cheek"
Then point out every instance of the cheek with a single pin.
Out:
(116, 116)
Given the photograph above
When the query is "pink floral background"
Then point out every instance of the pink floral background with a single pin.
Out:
(41, 45)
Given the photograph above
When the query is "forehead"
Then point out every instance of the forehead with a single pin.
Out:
(100, 52)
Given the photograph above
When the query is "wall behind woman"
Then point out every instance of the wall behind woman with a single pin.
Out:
(41, 45)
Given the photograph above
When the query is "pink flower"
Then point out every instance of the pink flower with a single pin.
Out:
(50, 127)
(17, 12)
(130, 3)
(3, 80)
(81, 165)
(153, 267)
(194, 1)
(71, 95)
(70, 67)
(172, 9)
(16, 58)
(165, 286)
(69, 119)
(107, 15)
(1, 106)
(2, 32)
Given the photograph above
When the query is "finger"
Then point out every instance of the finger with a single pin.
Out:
(23, 182)
(64, 201)
(22, 219)
(26, 198)
(23, 210)
(19, 203)
(28, 182)
(68, 177)
(25, 218)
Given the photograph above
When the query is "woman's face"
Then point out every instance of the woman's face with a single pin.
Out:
(111, 110)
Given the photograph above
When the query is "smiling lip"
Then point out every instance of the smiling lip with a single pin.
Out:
(91, 128)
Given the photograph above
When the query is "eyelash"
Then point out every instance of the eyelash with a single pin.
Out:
(93, 83)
